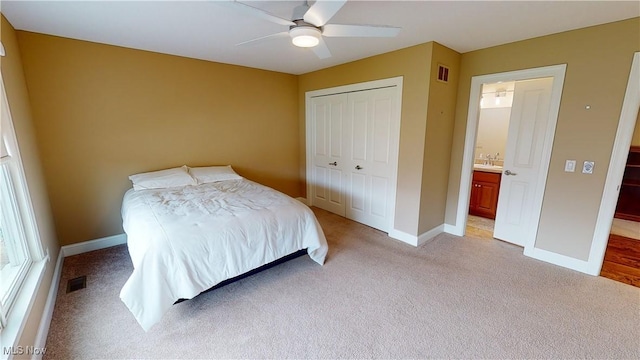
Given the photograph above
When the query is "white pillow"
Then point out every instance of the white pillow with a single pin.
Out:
(162, 179)
(210, 174)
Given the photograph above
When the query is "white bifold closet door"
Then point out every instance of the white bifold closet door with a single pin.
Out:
(355, 155)
(328, 124)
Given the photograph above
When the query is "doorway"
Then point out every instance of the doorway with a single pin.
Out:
(615, 172)
(622, 256)
(491, 141)
(523, 140)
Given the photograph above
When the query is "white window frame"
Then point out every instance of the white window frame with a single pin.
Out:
(14, 230)
(14, 314)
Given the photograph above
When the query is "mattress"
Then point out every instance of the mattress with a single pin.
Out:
(185, 240)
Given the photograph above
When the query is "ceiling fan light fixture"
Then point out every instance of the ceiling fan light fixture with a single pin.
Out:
(305, 36)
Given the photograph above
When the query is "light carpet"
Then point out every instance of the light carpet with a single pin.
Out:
(375, 297)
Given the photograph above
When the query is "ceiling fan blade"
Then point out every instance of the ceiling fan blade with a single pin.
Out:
(264, 38)
(250, 10)
(335, 30)
(322, 11)
(321, 50)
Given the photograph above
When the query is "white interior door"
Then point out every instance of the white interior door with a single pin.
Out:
(328, 116)
(353, 136)
(371, 134)
(529, 122)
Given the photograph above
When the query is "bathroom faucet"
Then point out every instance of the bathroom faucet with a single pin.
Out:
(489, 160)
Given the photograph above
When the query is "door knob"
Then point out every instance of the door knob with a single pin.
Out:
(508, 172)
(335, 163)
(358, 167)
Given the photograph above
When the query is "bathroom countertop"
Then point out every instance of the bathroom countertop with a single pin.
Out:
(488, 168)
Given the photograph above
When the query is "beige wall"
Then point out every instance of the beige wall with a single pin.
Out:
(18, 97)
(441, 105)
(598, 63)
(425, 130)
(414, 65)
(103, 112)
(493, 128)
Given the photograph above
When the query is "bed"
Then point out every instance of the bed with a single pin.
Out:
(186, 239)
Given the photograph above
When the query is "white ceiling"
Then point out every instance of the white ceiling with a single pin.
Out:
(209, 31)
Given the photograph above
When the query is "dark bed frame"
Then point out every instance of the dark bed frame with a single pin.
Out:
(251, 272)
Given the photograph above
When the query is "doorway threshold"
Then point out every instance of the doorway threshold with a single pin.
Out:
(479, 227)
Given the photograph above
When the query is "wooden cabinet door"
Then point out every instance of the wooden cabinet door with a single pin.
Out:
(485, 189)
(487, 199)
(473, 202)
(628, 206)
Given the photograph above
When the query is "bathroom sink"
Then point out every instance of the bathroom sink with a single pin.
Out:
(487, 168)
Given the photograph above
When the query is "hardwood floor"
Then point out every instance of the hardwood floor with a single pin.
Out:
(622, 260)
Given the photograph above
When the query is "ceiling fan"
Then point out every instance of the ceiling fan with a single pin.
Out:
(309, 25)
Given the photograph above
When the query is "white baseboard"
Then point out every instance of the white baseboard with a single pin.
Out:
(429, 235)
(103, 243)
(47, 314)
(558, 259)
(404, 237)
(453, 230)
(416, 240)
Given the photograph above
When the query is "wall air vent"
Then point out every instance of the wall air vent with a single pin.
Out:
(443, 73)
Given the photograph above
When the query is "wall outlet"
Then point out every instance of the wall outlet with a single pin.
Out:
(587, 167)
(570, 166)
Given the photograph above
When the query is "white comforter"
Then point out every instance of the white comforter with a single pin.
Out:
(183, 241)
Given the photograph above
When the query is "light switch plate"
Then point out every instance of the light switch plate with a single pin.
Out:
(570, 166)
(587, 167)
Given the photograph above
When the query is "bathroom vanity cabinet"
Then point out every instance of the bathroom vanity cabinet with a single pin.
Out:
(485, 188)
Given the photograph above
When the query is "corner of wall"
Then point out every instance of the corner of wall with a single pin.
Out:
(441, 104)
(18, 97)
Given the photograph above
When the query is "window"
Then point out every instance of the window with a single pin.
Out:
(14, 256)
(20, 246)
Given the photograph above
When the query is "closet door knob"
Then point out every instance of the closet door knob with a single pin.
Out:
(335, 163)
(358, 167)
